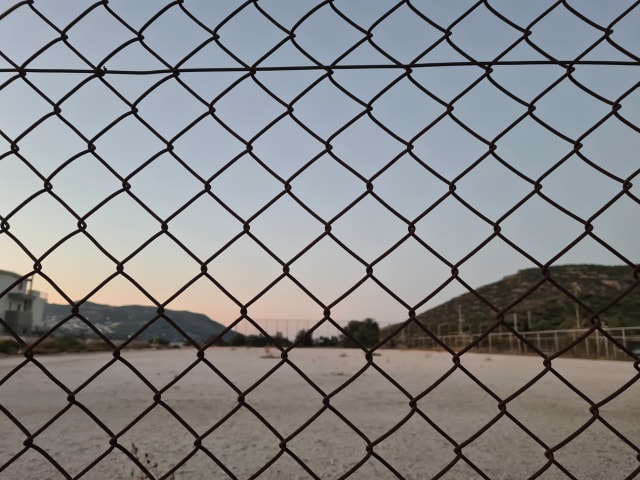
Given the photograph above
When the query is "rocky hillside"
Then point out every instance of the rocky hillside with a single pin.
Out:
(544, 306)
(122, 322)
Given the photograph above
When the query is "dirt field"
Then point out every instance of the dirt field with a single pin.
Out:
(394, 439)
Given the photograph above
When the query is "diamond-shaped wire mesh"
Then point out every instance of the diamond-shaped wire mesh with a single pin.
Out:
(317, 160)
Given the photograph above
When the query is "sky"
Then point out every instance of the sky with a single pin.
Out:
(233, 171)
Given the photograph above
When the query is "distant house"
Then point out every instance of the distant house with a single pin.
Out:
(21, 307)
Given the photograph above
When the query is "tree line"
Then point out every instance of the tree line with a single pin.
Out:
(358, 333)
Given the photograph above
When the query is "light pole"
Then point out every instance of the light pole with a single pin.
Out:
(576, 291)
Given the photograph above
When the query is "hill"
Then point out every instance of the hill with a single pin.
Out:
(122, 322)
(600, 288)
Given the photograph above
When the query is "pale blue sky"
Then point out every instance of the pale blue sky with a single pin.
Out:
(410, 185)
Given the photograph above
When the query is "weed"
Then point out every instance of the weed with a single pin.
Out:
(267, 352)
(148, 463)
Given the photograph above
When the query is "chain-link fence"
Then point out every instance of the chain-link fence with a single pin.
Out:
(324, 161)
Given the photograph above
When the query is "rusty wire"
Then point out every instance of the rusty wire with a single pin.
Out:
(20, 71)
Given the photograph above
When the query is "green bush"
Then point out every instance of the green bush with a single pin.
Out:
(9, 346)
(364, 333)
(96, 346)
(60, 345)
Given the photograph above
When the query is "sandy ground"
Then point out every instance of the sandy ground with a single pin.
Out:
(444, 428)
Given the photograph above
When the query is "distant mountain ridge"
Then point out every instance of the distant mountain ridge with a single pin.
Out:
(598, 287)
(123, 321)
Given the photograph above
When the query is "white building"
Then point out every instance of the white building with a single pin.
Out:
(21, 307)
